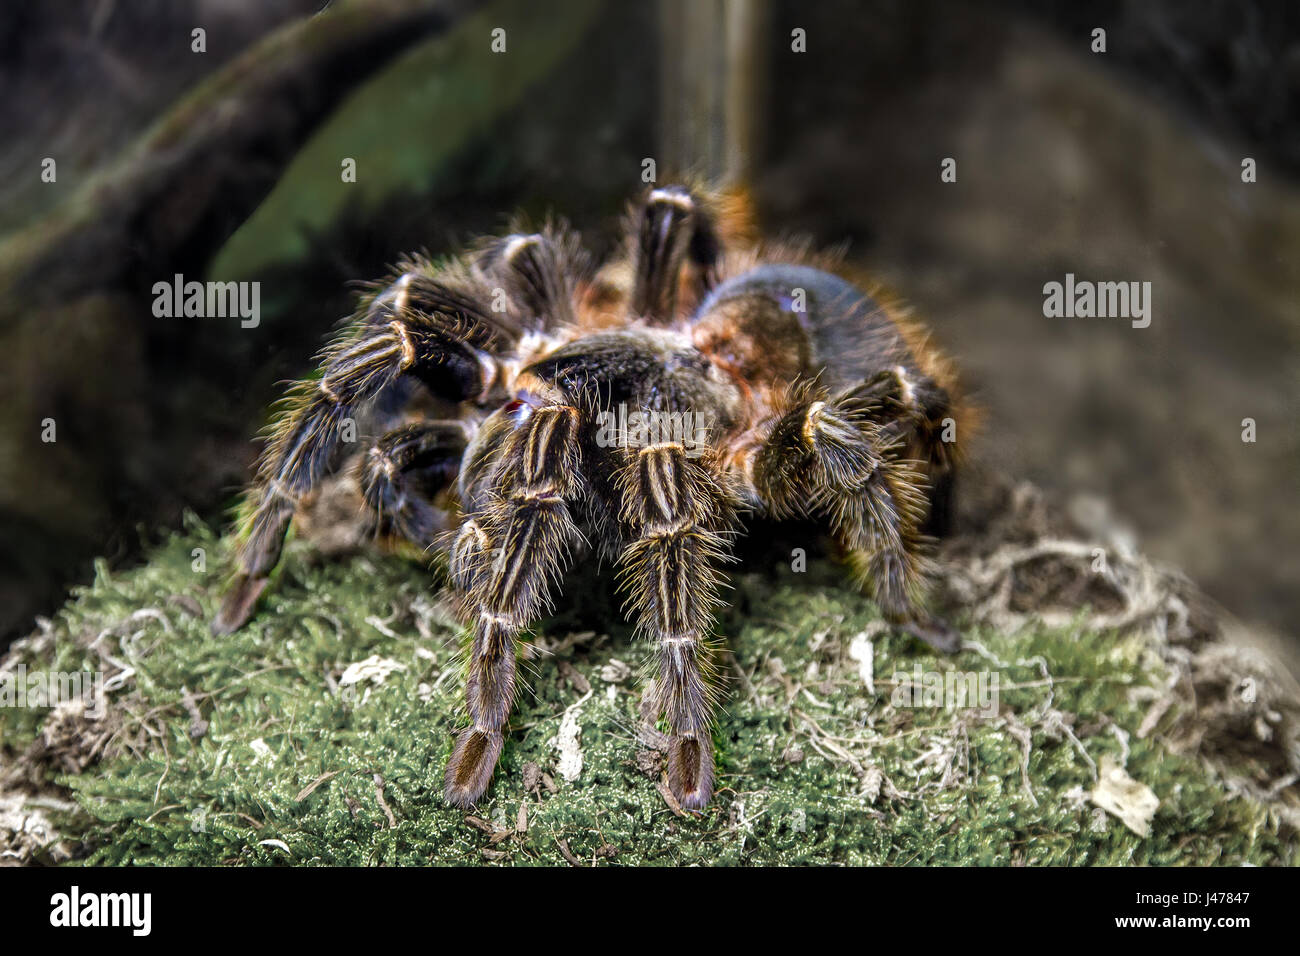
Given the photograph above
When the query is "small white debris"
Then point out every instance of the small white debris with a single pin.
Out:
(67, 712)
(1119, 794)
(567, 742)
(1076, 798)
(861, 649)
(383, 628)
(374, 669)
(1262, 729)
(615, 672)
(278, 844)
(263, 751)
(26, 831)
(872, 781)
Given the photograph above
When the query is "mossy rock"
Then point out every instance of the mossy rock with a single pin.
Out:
(263, 748)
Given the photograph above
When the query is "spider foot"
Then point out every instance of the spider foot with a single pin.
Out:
(934, 631)
(237, 607)
(469, 771)
(690, 772)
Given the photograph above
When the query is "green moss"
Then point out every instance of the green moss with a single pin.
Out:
(814, 769)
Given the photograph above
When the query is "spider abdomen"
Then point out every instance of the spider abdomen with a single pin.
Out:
(783, 321)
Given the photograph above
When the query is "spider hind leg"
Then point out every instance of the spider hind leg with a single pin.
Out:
(673, 228)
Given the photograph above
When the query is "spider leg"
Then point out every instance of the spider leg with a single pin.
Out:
(672, 228)
(677, 512)
(836, 455)
(534, 272)
(912, 410)
(405, 470)
(420, 327)
(521, 543)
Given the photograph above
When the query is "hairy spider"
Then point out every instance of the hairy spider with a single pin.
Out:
(565, 392)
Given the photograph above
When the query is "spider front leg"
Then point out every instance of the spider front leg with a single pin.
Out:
(676, 511)
(519, 544)
(828, 454)
(448, 349)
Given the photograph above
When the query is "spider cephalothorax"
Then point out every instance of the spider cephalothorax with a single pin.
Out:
(641, 410)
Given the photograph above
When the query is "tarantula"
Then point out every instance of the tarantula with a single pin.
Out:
(806, 396)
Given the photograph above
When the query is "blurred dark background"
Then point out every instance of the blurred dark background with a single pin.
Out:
(225, 164)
